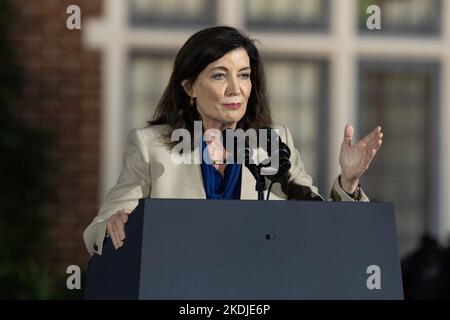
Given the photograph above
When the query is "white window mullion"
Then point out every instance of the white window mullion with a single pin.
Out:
(97, 35)
(443, 217)
(440, 219)
(113, 126)
(400, 47)
(294, 44)
(231, 13)
(157, 39)
(342, 78)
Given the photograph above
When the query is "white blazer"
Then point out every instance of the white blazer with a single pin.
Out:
(148, 171)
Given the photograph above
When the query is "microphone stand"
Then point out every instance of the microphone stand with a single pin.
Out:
(260, 181)
(256, 169)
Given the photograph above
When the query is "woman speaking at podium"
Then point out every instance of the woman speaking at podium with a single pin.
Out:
(218, 79)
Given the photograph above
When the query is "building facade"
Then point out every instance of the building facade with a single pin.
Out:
(324, 69)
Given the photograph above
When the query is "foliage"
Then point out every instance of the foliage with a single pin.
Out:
(24, 187)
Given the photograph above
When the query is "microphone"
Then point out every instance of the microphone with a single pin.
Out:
(281, 154)
(243, 153)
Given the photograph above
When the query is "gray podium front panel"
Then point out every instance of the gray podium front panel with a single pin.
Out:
(255, 250)
(216, 249)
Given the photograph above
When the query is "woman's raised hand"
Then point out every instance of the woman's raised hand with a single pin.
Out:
(356, 158)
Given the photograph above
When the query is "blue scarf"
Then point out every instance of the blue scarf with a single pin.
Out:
(216, 187)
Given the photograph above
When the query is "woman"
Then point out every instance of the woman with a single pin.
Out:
(217, 78)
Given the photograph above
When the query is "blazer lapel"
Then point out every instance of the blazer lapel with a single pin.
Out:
(198, 186)
(198, 182)
(248, 183)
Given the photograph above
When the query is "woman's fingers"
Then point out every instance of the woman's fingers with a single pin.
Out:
(359, 156)
(370, 135)
(372, 139)
(112, 233)
(374, 145)
(116, 227)
(374, 142)
(120, 229)
(124, 216)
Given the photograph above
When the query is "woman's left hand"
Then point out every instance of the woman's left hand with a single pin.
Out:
(355, 159)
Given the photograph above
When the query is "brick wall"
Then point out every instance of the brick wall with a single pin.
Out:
(61, 92)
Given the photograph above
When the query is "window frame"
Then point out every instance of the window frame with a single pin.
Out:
(210, 18)
(435, 30)
(432, 68)
(322, 26)
(321, 180)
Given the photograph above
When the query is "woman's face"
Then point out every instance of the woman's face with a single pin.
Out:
(222, 90)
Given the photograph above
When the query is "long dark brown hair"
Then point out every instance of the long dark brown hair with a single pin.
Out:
(201, 49)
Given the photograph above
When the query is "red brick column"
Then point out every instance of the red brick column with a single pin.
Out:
(61, 92)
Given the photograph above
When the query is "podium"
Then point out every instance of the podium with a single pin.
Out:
(178, 249)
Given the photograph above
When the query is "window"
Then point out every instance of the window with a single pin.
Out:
(402, 99)
(297, 93)
(420, 17)
(171, 13)
(149, 75)
(305, 15)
